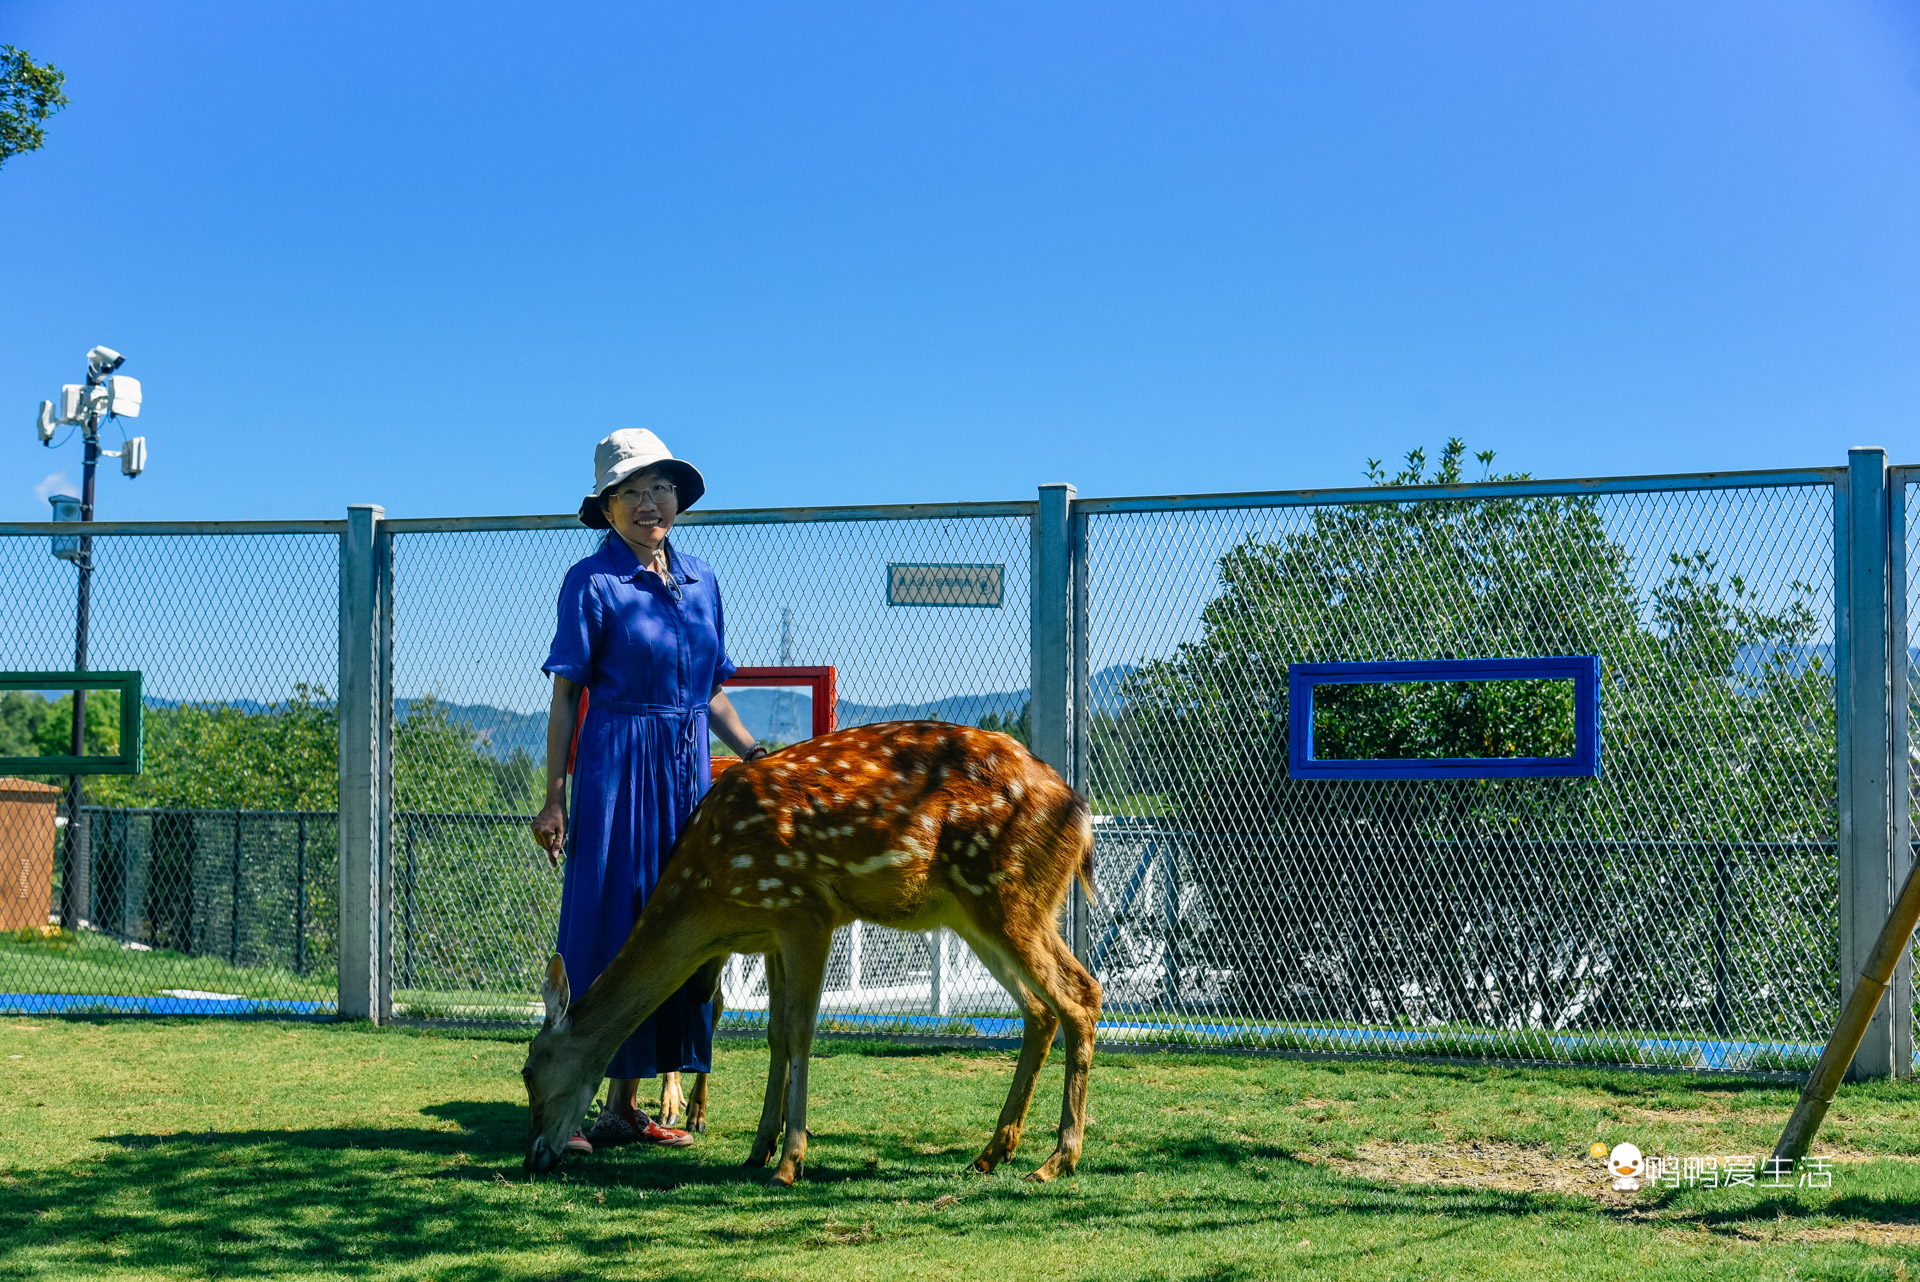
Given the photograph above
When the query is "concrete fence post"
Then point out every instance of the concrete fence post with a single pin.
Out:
(1863, 724)
(1053, 671)
(362, 938)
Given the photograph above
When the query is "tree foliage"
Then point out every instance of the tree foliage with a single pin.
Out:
(29, 93)
(1524, 901)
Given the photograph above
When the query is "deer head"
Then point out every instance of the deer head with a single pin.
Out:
(558, 1089)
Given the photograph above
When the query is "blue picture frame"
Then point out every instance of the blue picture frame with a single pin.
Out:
(1582, 670)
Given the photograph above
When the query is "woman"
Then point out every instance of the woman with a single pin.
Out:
(641, 628)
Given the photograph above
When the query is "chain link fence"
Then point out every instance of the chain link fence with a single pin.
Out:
(1679, 909)
(477, 903)
(207, 883)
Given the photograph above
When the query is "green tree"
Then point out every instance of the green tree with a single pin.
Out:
(29, 93)
(1487, 900)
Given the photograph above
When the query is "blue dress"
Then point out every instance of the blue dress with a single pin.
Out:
(650, 657)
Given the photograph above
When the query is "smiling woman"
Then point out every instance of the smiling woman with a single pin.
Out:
(642, 630)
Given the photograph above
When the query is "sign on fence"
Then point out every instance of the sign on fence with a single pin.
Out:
(909, 583)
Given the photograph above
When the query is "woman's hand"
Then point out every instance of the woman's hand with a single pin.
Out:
(550, 830)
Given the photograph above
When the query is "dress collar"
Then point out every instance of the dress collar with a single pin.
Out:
(628, 566)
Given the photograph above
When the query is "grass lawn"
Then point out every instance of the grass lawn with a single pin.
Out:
(86, 962)
(182, 1148)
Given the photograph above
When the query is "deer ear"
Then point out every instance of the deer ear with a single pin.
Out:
(555, 993)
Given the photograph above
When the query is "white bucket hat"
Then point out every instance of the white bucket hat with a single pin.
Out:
(630, 450)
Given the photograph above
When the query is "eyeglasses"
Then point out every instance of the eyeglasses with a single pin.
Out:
(658, 494)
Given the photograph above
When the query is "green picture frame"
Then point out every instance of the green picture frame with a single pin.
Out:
(130, 760)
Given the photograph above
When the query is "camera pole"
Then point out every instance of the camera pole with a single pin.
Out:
(76, 885)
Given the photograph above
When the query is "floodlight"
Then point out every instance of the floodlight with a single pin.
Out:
(133, 459)
(123, 397)
(73, 403)
(47, 422)
(104, 360)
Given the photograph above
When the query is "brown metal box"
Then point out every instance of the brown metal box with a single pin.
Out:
(27, 837)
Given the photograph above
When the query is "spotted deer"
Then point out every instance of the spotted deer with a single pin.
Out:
(913, 825)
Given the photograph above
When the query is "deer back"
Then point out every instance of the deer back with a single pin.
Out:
(896, 823)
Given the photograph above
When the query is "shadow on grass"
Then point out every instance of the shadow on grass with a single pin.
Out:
(357, 1200)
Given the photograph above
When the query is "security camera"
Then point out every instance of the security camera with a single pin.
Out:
(133, 459)
(47, 422)
(103, 360)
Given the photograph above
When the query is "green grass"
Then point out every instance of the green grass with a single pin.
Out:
(187, 1149)
(85, 962)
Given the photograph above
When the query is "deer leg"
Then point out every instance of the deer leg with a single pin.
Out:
(1038, 1023)
(806, 971)
(673, 1100)
(1057, 976)
(697, 1102)
(773, 1110)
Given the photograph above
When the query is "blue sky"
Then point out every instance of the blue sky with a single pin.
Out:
(426, 255)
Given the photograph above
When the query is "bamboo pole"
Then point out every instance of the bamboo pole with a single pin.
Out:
(1875, 978)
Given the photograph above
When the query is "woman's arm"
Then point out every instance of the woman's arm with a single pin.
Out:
(550, 825)
(726, 723)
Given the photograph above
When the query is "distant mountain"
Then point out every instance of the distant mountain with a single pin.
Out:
(777, 715)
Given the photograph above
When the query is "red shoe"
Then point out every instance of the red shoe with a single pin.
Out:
(578, 1143)
(664, 1136)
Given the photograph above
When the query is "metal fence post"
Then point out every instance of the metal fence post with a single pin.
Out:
(1899, 781)
(1051, 584)
(383, 773)
(1862, 547)
(360, 800)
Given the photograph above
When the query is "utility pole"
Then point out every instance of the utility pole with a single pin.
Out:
(82, 405)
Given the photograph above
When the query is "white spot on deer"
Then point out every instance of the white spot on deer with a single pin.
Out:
(766, 903)
(769, 883)
(829, 861)
(783, 903)
(705, 883)
(892, 858)
(964, 883)
(743, 861)
(716, 840)
(861, 804)
(785, 861)
(993, 762)
(999, 875)
(898, 777)
(812, 760)
(686, 873)
(1016, 790)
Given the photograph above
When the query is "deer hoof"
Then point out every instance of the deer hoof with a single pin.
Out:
(697, 1125)
(1054, 1167)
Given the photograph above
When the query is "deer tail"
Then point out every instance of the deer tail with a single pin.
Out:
(1083, 826)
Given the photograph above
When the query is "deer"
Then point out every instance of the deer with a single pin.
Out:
(913, 825)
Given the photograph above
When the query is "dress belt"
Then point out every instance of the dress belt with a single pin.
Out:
(690, 736)
(632, 708)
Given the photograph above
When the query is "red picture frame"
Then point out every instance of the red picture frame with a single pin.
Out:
(819, 680)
